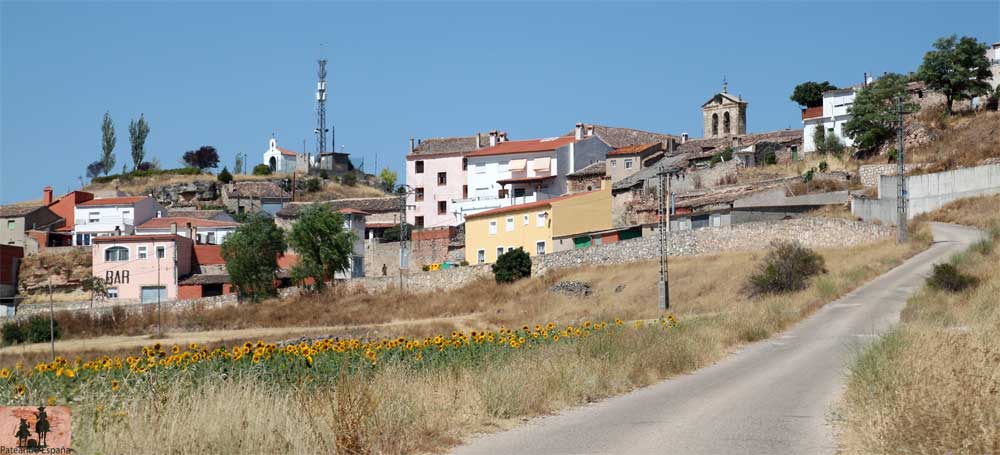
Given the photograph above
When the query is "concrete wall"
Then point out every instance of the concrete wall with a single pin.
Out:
(928, 192)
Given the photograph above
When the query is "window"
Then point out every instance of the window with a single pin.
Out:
(518, 192)
(715, 124)
(510, 248)
(614, 163)
(126, 214)
(465, 191)
(628, 164)
(480, 256)
(418, 222)
(540, 219)
(10, 225)
(465, 164)
(525, 220)
(540, 248)
(116, 253)
(493, 227)
(442, 207)
(143, 253)
(725, 123)
(419, 165)
(211, 238)
(501, 193)
(112, 293)
(442, 178)
(499, 252)
(160, 252)
(510, 224)
(418, 194)
(83, 239)
(93, 217)
(198, 236)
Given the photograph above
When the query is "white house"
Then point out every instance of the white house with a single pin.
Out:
(518, 172)
(112, 216)
(202, 231)
(282, 160)
(832, 116)
(354, 222)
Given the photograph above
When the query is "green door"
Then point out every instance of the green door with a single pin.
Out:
(581, 242)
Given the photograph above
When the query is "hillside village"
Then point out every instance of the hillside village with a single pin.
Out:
(467, 200)
(556, 277)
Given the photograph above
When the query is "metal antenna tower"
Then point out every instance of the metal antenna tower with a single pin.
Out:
(321, 129)
(901, 190)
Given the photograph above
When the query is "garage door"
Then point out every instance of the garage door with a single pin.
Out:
(271, 208)
(150, 294)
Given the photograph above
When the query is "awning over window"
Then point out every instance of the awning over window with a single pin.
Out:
(541, 164)
(518, 165)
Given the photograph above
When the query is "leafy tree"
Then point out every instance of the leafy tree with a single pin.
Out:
(873, 119)
(251, 255)
(95, 169)
(957, 67)
(388, 179)
(833, 145)
(323, 245)
(137, 132)
(147, 166)
(96, 286)
(323, 174)
(770, 158)
(262, 169)
(819, 136)
(810, 94)
(512, 266)
(391, 234)
(108, 141)
(203, 158)
(225, 176)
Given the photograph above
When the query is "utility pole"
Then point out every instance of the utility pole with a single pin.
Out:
(52, 321)
(159, 326)
(665, 208)
(404, 256)
(901, 190)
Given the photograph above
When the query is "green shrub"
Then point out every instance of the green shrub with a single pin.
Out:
(323, 174)
(426, 268)
(770, 158)
(313, 185)
(512, 266)
(349, 179)
(37, 330)
(808, 176)
(262, 169)
(12, 333)
(463, 263)
(786, 268)
(947, 277)
(823, 166)
(225, 176)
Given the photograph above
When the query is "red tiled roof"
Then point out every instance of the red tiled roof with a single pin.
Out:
(529, 205)
(127, 200)
(165, 222)
(634, 149)
(812, 112)
(286, 152)
(135, 238)
(208, 255)
(533, 145)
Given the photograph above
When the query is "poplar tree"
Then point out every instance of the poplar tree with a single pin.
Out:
(108, 141)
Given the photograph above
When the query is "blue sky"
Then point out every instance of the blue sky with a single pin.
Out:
(231, 74)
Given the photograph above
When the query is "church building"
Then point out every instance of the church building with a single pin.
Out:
(724, 115)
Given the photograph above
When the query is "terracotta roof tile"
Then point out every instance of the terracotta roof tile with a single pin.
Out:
(208, 255)
(17, 211)
(528, 146)
(127, 200)
(591, 170)
(527, 206)
(448, 145)
(635, 149)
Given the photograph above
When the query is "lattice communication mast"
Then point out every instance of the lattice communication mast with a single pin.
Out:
(321, 129)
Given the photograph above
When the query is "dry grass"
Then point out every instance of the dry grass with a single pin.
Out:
(403, 409)
(796, 168)
(933, 385)
(336, 190)
(962, 140)
(982, 212)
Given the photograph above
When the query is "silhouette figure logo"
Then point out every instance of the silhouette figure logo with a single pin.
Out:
(35, 429)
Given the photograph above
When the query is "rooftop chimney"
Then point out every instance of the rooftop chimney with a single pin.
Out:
(503, 136)
(479, 141)
(684, 137)
(590, 130)
(47, 195)
(493, 138)
(190, 234)
(173, 228)
(411, 145)
(736, 141)
(579, 130)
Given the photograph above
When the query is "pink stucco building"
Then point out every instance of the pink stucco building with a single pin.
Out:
(142, 268)
(435, 170)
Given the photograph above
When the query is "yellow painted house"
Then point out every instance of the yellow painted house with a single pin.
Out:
(534, 225)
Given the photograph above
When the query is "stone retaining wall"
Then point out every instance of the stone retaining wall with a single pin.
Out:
(870, 173)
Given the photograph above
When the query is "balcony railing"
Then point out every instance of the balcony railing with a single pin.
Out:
(109, 221)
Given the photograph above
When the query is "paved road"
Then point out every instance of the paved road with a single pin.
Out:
(771, 397)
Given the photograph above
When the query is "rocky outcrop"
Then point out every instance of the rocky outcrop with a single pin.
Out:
(186, 194)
